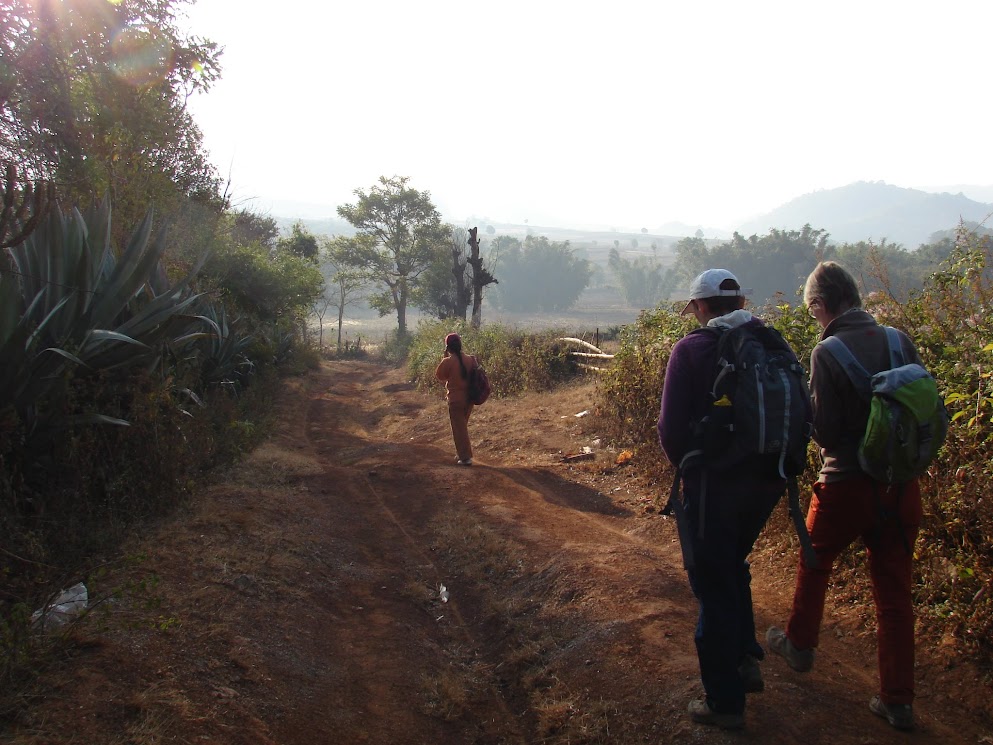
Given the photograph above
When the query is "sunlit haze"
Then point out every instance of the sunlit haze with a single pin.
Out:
(626, 114)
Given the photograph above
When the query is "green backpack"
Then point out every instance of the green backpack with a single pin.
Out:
(907, 418)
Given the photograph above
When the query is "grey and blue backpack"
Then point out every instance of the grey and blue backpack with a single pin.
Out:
(907, 421)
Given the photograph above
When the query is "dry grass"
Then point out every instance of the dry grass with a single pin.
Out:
(479, 554)
(563, 718)
(270, 465)
(449, 693)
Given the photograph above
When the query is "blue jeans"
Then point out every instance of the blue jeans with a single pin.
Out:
(736, 508)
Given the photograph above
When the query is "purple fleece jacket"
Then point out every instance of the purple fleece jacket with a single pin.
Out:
(688, 378)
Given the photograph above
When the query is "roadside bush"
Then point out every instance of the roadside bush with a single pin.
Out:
(515, 361)
(629, 393)
(120, 388)
(348, 351)
(66, 510)
(950, 319)
(396, 348)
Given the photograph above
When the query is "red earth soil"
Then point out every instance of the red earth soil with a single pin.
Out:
(300, 599)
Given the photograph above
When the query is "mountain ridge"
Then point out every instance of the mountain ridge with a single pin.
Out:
(873, 210)
(860, 211)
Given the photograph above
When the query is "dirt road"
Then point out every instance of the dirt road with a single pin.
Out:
(348, 583)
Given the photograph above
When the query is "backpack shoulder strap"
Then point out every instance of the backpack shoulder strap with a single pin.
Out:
(773, 340)
(896, 346)
(853, 368)
(708, 330)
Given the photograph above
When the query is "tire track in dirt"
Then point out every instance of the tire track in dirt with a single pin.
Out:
(579, 560)
(384, 622)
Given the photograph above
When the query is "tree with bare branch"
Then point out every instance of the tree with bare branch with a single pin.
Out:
(481, 277)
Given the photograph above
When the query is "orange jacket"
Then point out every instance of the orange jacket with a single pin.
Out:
(450, 373)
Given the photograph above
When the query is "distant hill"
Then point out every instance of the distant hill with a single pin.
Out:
(873, 210)
(857, 212)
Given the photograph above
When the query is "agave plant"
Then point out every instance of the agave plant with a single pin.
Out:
(223, 358)
(76, 303)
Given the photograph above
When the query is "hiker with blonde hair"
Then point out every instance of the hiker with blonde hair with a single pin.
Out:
(847, 503)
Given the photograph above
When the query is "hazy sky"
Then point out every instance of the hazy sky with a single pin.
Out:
(623, 113)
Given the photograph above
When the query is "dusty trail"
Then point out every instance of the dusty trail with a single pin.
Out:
(303, 594)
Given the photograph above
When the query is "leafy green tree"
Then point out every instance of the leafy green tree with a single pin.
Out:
(404, 231)
(300, 242)
(501, 245)
(598, 276)
(343, 284)
(540, 275)
(644, 281)
(265, 287)
(444, 290)
(690, 254)
(891, 268)
(93, 98)
(245, 226)
(774, 265)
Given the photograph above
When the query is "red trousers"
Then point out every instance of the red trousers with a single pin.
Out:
(458, 414)
(887, 519)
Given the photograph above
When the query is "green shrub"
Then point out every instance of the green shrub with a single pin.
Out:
(59, 522)
(395, 349)
(515, 361)
(630, 391)
(93, 337)
(950, 320)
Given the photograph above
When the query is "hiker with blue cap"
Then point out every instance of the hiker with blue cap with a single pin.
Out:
(735, 421)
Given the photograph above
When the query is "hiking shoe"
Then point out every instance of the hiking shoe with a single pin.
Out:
(701, 713)
(900, 716)
(800, 660)
(751, 675)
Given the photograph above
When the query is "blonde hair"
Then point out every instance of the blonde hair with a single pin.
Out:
(831, 283)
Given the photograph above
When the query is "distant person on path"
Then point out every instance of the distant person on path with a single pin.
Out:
(453, 371)
(848, 504)
(722, 512)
